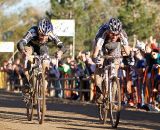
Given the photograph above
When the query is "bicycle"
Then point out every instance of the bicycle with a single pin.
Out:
(112, 94)
(37, 96)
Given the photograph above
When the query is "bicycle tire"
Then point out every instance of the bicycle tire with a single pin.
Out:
(30, 110)
(41, 101)
(103, 112)
(115, 101)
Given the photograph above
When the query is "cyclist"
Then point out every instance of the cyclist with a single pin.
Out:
(108, 41)
(36, 38)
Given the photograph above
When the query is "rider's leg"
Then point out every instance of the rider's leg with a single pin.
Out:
(25, 76)
(98, 82)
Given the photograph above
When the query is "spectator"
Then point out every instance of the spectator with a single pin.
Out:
(54, 73)
(10, 79)
(156, 56)
(140, 68)
(65, 72)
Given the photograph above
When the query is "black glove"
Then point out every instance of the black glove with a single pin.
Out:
(60, 45)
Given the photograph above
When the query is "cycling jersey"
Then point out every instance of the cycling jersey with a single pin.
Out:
(32, 39)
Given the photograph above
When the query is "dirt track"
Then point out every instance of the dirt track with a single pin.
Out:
(66, 115)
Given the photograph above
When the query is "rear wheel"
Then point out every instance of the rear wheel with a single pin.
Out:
(115, 101)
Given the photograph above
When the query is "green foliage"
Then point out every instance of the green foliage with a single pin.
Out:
(62, 10)
(138, 18)
(89, 15)
(18, 25)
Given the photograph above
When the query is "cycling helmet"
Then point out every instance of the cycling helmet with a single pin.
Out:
(115, 25)
(45, 26)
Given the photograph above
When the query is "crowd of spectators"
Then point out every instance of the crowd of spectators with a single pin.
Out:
(139, 76)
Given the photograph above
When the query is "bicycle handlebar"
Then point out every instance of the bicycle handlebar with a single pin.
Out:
(41, 57)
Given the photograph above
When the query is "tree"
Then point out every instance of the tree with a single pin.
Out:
(17, 26)
(138, 18)
(89, 15)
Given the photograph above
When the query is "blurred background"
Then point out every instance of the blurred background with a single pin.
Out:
(140, 19)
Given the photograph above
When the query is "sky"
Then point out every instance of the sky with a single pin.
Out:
(18, 6)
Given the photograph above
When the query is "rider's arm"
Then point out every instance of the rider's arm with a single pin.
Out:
(99, 41)
(97, 47)
(124, 38)
(98, 44)
(23, 42)
(20, 45)
(54, 38)
(124, 42)
(127, 49)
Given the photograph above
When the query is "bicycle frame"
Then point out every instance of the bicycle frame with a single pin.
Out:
(39, 85)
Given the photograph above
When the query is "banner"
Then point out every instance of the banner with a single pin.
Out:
(64, 27)
(6, 46)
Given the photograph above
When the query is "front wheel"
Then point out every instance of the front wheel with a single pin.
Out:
(30, 108)
(32, 101)
(115, 101)
(41, 99)
(103, 108)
